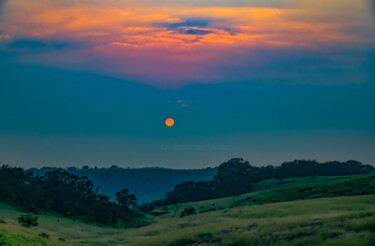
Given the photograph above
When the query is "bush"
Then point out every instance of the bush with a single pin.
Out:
(28, 220)
(44, 235)
(187, 211)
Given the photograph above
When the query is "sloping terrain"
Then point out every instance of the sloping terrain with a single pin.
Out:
(326, 221)
(237, 220)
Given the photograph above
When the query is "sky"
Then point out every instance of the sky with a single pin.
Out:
(91, 82)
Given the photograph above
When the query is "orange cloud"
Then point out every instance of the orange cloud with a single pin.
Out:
(147, 40)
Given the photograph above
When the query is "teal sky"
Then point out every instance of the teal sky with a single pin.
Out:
(92, 83)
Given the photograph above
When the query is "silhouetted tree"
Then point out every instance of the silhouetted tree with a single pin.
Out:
(64, 193)
(125, 199)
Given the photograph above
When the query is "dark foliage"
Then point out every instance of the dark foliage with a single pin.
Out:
(125, 199)
(187, 212)
(149, 206)
(65, 193)
(44, 235)
(28, 220)
(236, 176)
(158, 213)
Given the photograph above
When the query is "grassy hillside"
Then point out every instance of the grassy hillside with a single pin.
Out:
(334, 221)
(277, 183)
(275, 190)
(327, 221)
(227, 221)
(11, 239)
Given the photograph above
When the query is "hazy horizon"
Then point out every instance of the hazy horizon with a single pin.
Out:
(161, 167)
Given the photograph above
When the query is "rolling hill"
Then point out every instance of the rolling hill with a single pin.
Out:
(236, 220)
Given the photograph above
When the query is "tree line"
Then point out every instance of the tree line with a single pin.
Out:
(67, 194)
(76, 196)
(237, 176)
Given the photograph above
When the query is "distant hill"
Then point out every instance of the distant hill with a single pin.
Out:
(148, 184)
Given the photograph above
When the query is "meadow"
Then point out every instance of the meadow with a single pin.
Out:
(238, 220)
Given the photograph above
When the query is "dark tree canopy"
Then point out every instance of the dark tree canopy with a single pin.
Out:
(125, 199)
(65, 193)
(187, 212)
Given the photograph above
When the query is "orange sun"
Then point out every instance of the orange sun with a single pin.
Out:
(169, 122)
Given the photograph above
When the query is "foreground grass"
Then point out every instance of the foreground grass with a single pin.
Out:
(238, 220)
(326, 221)
(10, 239)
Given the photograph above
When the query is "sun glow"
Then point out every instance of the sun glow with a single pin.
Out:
(169, 122)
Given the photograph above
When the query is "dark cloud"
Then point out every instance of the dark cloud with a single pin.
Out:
(372, 6)
(190, 26)
(193, 31)
(37, 44)
(1, 4)
(200, 23)
(29, 44)
(195, 27)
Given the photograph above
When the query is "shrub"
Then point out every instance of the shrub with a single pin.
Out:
(187, 211)
(28, 220)
(44, 235)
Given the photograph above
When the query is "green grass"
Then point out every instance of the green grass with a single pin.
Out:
(327, 221)
(277, 183)
(238, 220)
(10, 239)
(271, 191)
